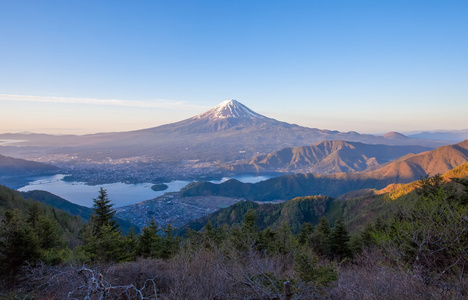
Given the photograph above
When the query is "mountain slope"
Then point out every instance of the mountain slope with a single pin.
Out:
(327, 157)
(11, 200)
(286, 187)
(440, 160)
(10, 166)
(227, 132)
(356, 211)
(14, 172)
(395, 191)
(294, 212)
(58, 202)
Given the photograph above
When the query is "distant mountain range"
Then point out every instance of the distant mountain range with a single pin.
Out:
(327, 157)
(228, 132)
(402, 170)
(445, 135)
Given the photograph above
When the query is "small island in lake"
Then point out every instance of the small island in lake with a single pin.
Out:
(159, 187)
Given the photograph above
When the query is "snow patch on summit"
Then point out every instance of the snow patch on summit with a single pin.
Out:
(229, 109)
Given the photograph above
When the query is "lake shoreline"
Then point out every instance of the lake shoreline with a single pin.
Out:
(120, 193)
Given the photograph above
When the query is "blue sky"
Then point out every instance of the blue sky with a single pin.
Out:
(367, 66)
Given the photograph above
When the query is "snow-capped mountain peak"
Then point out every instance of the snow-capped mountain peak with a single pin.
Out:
(229, 109)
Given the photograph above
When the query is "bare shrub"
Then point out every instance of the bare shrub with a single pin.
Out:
(371, 277)
(69, 282)
(192, 274)
(199, 275)
(139, 272)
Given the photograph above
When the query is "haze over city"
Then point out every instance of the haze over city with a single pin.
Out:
(366, 66)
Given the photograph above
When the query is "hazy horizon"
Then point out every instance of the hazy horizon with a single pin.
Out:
(122, 128)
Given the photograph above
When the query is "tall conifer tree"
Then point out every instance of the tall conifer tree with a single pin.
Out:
(103, 213)
(339, 241)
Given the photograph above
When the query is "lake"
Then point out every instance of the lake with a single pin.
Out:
(121, 194)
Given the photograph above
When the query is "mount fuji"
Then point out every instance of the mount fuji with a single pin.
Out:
(229, 109)
(228, 132)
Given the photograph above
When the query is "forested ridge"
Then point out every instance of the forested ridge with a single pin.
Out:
(417, 249)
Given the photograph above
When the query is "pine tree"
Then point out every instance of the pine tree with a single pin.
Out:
(248, 225)
(339, 241)
(429, 185)
(48, 232)
(285, 241)
(103, 213)
(267, 241)
(34, 214)
(46, 228)
(321, 238)
(102, 237)
(110, 245)
(149, 242)
(169, 243)
(305, 234)
(362, 240)
(209, 235)
(130, 247)
(246, 237)
(463, 196)
(18, 244)
(309, 271)
(379, 224)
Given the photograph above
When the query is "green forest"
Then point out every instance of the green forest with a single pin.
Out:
(306, 248)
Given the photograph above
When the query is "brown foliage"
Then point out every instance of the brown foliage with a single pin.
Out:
(371, 277)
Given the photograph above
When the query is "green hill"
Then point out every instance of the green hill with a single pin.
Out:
(72, 208)
(10, 199)
(295, 212)
(356, 212)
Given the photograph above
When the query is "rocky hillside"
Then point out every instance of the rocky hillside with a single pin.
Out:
(327, 157)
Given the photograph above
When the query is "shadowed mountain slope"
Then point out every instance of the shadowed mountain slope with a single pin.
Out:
(286, 187)
(58, 202)
(14, 172)
(10, 166)
(328, 157)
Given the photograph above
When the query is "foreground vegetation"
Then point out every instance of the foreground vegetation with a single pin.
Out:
(418, 252)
